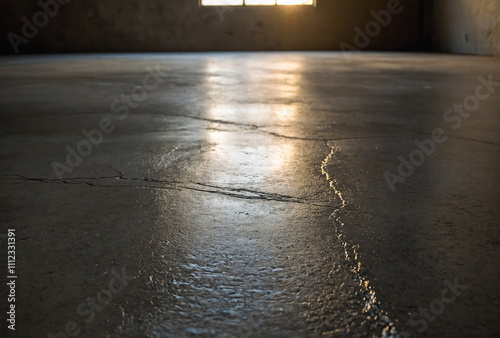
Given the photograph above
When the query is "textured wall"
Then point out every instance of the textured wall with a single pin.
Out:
(464, 26)
(181, 25)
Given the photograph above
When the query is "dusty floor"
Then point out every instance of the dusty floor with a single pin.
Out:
(245, 194)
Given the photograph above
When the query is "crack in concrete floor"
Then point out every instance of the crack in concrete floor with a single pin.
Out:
(242, 193)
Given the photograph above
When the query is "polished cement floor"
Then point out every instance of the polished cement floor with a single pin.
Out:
(251, 194)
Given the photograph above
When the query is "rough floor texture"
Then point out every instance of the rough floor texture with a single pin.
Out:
(246, 194)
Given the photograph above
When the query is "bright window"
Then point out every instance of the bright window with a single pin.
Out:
(295, 2)
(255, 2)
(259, 2)
(221, 2)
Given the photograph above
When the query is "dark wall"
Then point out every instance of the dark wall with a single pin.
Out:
(182, 25)
(463, 26)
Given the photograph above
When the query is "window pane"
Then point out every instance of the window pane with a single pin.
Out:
(221, 2)
(295, 2)
(260, 2)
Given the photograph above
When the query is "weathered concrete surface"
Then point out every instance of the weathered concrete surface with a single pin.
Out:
(215, 195)
(182, 25)
(462, 26)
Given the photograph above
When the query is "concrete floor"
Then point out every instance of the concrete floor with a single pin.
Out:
(245, 194)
